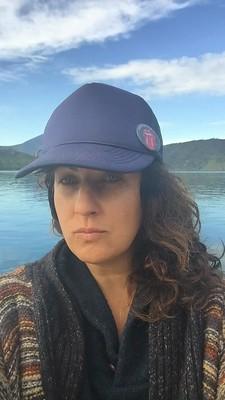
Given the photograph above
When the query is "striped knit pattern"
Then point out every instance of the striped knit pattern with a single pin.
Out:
(214, 359)
(20, 376)
(20, 368)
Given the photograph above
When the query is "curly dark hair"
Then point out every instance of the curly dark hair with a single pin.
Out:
(171, 265)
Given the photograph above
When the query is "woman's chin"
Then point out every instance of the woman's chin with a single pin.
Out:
(92, 257)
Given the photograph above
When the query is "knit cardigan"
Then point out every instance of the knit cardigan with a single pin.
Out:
(20, 360)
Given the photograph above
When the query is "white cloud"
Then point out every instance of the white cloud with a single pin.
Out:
(8, 76)
(44, 27)
(185, 75)
(13, 71)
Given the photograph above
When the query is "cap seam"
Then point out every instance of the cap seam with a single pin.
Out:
(145, 150)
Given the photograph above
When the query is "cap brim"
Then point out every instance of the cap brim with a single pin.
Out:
(90, 155)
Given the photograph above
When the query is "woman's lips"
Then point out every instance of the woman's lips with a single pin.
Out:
(89, 230)
(89, 233)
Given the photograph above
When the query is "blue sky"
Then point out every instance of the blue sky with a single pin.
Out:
(172, 52)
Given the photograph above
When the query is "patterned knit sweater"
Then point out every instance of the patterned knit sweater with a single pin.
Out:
(20, 361)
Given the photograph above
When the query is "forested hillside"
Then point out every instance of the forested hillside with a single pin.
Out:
(197, 155)
(11, 159)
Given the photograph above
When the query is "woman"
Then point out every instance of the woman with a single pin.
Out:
(129, 304)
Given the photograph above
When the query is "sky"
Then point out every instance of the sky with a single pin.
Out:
(171, 52)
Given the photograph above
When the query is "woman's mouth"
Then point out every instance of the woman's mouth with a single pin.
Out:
(89, 233)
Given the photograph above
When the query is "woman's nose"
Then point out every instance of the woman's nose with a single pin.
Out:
(85, 202)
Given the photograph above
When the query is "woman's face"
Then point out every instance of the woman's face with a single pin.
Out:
(99, 212)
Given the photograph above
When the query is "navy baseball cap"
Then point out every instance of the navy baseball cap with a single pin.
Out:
(101, 127)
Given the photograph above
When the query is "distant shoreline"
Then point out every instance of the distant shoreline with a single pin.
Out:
(173, 171)
(198, 172)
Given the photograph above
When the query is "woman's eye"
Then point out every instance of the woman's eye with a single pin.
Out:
(112, 178)
(73, 181)
(68, 180)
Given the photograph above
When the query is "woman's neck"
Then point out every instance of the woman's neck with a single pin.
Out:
(112, 274)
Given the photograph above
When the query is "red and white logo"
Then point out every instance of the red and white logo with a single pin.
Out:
(148, 137)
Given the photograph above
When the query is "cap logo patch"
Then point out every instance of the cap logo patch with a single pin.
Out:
(148, 137)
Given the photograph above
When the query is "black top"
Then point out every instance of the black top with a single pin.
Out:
(115, 368)
(174, 348)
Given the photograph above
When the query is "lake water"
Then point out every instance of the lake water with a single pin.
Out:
(25, 221)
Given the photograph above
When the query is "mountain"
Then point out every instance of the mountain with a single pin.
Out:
(11, 159)
(15, 157)
(30, 146)
(196, 155)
